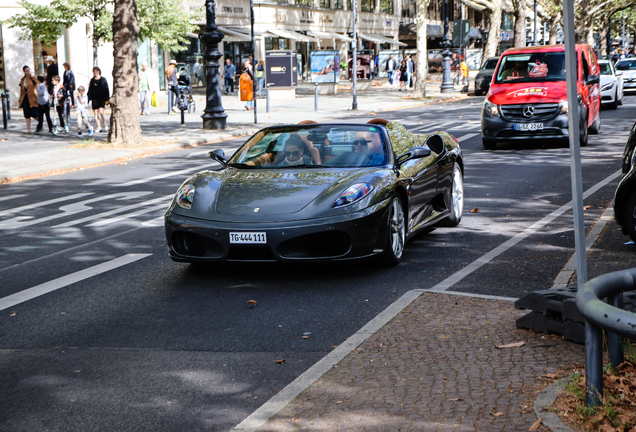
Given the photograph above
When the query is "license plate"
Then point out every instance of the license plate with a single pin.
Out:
(528, 126)
(248, 238)
(630, 84)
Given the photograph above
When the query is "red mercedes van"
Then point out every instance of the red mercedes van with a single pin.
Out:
(528, 96)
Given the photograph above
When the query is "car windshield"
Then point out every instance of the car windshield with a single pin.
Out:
(313, 146)
(626, 65)
(532, 67)
(606, 69)
(490, 64)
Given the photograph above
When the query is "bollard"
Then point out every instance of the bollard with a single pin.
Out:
(615, 341)
(4, 112)
(593, 365)
(8, 106)
(182, 114)
(316, 97)
(267, 96)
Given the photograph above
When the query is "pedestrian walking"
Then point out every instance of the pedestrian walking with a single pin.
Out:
(171, 77)
(98, 95)
(68, 81)
(260, 76)
(196, 70)
(44, 99)
(146, 87)
(51, 71)
(59, 102)
(229, 73)
(391, 66)
(81, 110)
(28, 100)
(463, 72)
(410, 69)
(404, 77)
(246, 86)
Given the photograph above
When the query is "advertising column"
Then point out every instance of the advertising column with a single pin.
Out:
(281, 73)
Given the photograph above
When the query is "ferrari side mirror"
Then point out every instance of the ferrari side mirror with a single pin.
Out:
(219, 156)
(414, 153)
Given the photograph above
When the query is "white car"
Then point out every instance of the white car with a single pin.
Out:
(611, 85)
(628, 68)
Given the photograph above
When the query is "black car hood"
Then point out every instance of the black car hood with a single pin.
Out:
(273, 192)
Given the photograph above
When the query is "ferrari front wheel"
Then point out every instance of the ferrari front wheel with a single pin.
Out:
(456, 200)
(396, 234)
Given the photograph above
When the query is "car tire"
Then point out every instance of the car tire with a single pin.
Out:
(620, 101)
(395, 233)
(489, 144)
(478, 92)
(596, 126)
(457, 200)
(583, 133)
(614, 104)
(629, 217)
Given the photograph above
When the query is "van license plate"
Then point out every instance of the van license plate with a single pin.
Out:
(529, 126)
(248, 238)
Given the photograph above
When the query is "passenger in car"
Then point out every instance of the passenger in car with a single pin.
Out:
(294, 153)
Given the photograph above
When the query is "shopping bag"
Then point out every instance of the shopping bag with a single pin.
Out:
(153, 99)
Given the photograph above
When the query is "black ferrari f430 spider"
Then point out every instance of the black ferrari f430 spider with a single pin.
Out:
(318, 192)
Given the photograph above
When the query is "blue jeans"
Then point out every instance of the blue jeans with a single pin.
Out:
(261, 83)
(229, 83)
(390, 73)
(409, 76)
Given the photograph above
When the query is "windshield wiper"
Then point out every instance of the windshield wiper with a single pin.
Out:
(242, 165)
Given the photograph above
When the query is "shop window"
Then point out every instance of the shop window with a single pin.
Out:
(386, 6)
(507, 21)
(337, 4)
(367, 5)
(304, 2)
(325, 4)
(276, 44)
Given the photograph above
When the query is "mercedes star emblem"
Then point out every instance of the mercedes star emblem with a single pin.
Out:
(528, 111)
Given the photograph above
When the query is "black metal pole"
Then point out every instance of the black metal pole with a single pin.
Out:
(615, 341)
(593, 365)
(214, 116)
(4, 112)
(316, 97)
(8, 105)
(267, 95)
(447, 82)
(354, 105)
(254, 62)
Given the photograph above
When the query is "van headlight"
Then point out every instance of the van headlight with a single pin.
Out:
(491, 108)
(608, 86)
(564, 106)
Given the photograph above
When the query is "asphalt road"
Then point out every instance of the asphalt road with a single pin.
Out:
(128, 340)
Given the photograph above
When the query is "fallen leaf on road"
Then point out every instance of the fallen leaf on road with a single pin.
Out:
(475, 210)
(551, 376)
(251, 302)
(456, 399)
(497, 414)
(13, 314)
(280, 361)
(587, 207)
(305, 337)
(372, 113)
(421, 122)
(3, 140)
(535, 425)
(512, 345)
(334, 346)
(122, 163)
(338, 402)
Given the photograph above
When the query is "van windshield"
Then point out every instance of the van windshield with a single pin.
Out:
(532, 67)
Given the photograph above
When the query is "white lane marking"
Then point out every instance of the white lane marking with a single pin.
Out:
(286, 395)
(485, 259)
(47, 287)
(463, 294)
(564, 276)
(43, 203)
(130, 215)
(67, 210)
(160, 221)
(467, 136)
(160, 176)
(10, 197)
(430, 125)
(467, 126)
(114, 211)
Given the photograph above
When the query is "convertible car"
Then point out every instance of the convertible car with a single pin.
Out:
(318, 192)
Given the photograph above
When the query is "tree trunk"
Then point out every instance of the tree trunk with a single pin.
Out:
(602, 34)
(581, 23)
(554, 28)
(95, 46)
(588, 36)
(124, 120)
(421, 68)
(494, 28)
(520, 23)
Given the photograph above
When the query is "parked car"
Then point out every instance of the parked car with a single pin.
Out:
(528, 96)
(611, 84)
(625, 196)
(318, 192)
(628, 69)
(484, 76)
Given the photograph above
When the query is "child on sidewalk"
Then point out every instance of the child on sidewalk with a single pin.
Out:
(81, 108)
(44, 107)
(59, 102)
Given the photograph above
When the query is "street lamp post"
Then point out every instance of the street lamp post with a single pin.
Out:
(354, 105)
(536, 30)
(447, 82)
(214, 116)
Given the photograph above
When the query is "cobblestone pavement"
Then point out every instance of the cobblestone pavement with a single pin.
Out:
(434, 367)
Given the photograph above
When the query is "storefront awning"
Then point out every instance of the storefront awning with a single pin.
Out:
(234, 36)
(329, 35)
(246, 31)
(379, 39)
(292, 35)
(434, 31)
(475, 33)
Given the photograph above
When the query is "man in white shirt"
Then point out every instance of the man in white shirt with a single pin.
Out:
(391, 66)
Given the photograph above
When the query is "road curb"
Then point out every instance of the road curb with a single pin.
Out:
(544, 401)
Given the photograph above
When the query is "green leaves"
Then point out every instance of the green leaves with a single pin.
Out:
(165, 22)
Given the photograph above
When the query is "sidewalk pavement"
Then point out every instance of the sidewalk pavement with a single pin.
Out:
(436, 367)
(24, 155)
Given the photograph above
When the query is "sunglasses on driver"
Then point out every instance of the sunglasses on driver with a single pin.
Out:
(360, 142)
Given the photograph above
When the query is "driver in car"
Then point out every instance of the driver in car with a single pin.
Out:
(365, 147)
(518, 70)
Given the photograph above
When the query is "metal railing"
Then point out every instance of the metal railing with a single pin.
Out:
(610, 317)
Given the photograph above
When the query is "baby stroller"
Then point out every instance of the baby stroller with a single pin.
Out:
(185, 100)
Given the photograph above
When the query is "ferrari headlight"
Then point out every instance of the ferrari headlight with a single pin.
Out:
(564, 106)
(491, 108)
(185, 196)
(608, 86)
(352, 194)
